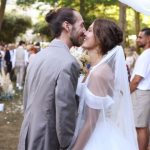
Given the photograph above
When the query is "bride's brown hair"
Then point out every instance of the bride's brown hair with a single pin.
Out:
(108, 34)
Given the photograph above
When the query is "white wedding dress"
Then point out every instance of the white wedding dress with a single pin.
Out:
(106, 135)
(105, 117)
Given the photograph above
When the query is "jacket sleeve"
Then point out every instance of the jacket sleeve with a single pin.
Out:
(66, 104)
(25, 95)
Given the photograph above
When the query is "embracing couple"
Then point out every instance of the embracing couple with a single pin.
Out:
(101, 118)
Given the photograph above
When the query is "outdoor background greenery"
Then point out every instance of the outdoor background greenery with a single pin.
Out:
(129, 20)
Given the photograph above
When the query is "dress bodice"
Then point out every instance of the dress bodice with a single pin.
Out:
(105, 107)
(91, 100)
(104, 125)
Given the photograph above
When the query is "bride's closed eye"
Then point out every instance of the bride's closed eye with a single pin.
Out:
(89, 30)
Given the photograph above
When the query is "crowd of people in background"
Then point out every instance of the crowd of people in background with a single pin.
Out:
(15, 58)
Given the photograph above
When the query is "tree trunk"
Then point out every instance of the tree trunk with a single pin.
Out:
(122, 20)
(137, 27)
(137, 22)
(82, 7)
(2, 11)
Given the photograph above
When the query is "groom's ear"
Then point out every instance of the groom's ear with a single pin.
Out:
(67, 26)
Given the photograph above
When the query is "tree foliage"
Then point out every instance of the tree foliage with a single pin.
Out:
(42, 28)
(91, 9)
(13, 25)
(2, 11)
(68, 2)
(102, 8)
(25, 2)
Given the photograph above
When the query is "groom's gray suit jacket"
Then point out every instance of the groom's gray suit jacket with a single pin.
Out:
(50, 107)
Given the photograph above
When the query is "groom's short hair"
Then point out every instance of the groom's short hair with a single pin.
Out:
(146, 31)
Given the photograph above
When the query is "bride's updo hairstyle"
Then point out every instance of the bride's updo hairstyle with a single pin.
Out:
(107, 34)
(55, 19)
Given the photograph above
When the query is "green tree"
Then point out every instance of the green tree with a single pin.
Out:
(12, 26)
(137, 22)
(122, 20)
(42, 28)
(105, 10)
(25, 2)
(2, 11)
(91, 9)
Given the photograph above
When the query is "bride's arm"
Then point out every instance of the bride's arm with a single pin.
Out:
(87, 129)
(99, 84)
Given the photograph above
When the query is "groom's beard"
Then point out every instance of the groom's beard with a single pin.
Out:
(76, 38)
(75, 41)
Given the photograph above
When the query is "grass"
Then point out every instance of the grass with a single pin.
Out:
(10, 122)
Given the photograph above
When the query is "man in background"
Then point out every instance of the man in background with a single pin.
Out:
(20, 61)
(140, 89)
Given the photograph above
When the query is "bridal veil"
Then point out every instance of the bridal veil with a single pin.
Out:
(105, 99)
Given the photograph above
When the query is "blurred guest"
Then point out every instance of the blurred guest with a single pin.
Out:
(20, 62)
(38, 46)
(2, 54)
(7, 59)
(140, 89)
(131, 57)
(11, 50)
(32, 51)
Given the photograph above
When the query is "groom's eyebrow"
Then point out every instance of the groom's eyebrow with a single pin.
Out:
(139, 37)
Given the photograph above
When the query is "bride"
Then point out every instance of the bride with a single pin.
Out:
(105, 118)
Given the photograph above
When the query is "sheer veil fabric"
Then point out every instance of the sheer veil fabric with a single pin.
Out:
(105, 107)
(142, 6)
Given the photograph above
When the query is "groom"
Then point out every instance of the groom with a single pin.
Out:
(50, 107)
